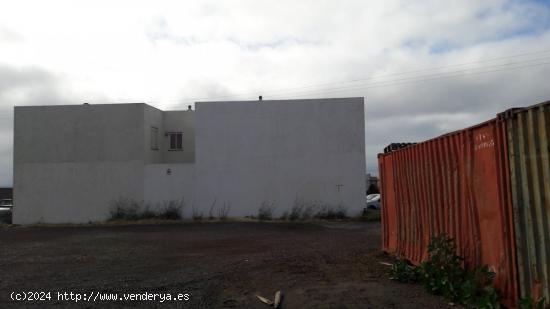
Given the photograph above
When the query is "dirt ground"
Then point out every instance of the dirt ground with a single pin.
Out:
(221, 265)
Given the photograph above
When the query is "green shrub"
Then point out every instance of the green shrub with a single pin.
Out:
(402, 271)
(442, 274)
(530, 303)
(476, 289)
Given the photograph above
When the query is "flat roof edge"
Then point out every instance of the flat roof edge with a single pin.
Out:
(85, 104)
(284, 100)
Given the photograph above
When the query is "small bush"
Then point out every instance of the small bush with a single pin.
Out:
(265, 213)
(323, 212)
(476, 289)
(124, 209)
(223, 211)
(147, 213)
(309, 211)
(197, 214)
(129, 209)
(328, 212)
(302, 210)
(442, 274)
(402, 271)
(171, 210)
(211, 211)
(296, 212)
(341, 212)
(306, 210)
(443, 271)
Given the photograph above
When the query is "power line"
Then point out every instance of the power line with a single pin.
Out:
(362, 82)
(422, 80)
(367, 78)
(422, 76)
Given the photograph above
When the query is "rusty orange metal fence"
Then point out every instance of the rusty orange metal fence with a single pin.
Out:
(457, 184)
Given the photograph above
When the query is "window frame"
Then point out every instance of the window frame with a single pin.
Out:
(154, 138)
(176, 134)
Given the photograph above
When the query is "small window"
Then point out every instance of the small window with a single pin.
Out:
(176, 139)
(154, 138)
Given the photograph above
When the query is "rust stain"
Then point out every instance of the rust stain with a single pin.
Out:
(457, 184)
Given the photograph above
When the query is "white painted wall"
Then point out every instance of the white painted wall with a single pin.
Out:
(161, 186)
(78, 133)
(279, 151)
(152, 118)
(72, 162)
(179, 121)
(73, 192)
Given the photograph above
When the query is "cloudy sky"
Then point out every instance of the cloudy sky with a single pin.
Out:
(424, 67)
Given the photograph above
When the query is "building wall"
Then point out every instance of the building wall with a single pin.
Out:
(152, 118)
(170, 182)
(73, 192)
(78, 133)
(72, 162)
(179, 121)
(277, 152)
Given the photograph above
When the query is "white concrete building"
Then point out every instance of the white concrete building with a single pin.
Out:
(71, 162)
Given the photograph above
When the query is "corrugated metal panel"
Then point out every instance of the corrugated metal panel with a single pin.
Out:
(528, 132)
(456, 184)
(389, 233)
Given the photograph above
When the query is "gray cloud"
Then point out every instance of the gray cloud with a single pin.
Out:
(29, 86)
(421, 111)
(22, 86)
